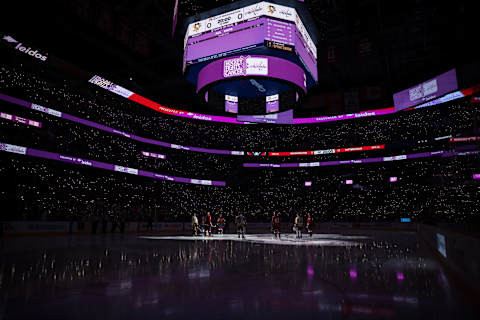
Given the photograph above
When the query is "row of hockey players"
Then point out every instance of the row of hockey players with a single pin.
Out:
(298, 225)
(205, 228)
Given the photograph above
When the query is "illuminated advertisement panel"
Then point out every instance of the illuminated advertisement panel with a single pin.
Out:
(153, 155)
(241, 66)
(342, 162)
(428, 90)
(231, 104)
(285, 117)
(21, 120)
(192, 115)
(25, 49)
(272, 103)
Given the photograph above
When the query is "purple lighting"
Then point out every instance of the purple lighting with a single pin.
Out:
(18, 119)
(254, 65)
(348, 181)
(393, 179)
(476, 176)
(400, 276)
(153, 155)
(353, 273)
(428, 90)
(308, 183)
(310, 271)
(5, 147)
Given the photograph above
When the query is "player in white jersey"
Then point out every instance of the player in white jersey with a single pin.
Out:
(298, 226)
(195, 229)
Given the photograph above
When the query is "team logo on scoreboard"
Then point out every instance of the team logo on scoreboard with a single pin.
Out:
(197, 26)
(286, 13)
(271, 9)
(257, 154)
(253, 11)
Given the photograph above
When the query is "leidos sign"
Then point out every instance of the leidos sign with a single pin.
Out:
(26, 50)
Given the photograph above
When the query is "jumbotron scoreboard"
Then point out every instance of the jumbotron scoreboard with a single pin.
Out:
(258, 58)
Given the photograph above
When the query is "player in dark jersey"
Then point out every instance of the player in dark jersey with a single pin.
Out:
(276, 225)
(220, 224)
(241, 223)
(309, 225)
(207, 224)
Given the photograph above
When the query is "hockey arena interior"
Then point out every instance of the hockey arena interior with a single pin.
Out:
(280, 159)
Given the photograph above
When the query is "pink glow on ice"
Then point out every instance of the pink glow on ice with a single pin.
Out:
(353, 273)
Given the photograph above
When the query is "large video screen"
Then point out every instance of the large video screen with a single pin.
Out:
(426, 91)
(264, 23)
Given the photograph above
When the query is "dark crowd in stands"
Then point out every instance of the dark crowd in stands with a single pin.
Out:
(431, 189)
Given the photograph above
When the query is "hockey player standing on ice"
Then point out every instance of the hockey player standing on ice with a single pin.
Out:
(207, 224)
(195, 225)
(276, 225)
(309, 224)
(241, 223)
(298, 225)
(220, 224)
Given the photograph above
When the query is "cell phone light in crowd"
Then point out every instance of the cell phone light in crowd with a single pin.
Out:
(393, 179)
(308, 183)
(348, 181)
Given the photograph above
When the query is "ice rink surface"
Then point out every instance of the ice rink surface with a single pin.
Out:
(285, 239)
(361, 275)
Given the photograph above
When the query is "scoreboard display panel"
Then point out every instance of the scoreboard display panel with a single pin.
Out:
(261, 24)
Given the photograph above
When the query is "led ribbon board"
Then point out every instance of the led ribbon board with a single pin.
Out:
(5, 147)
(110, 86)
(341, 162)
(18, 119)
(282, 117)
